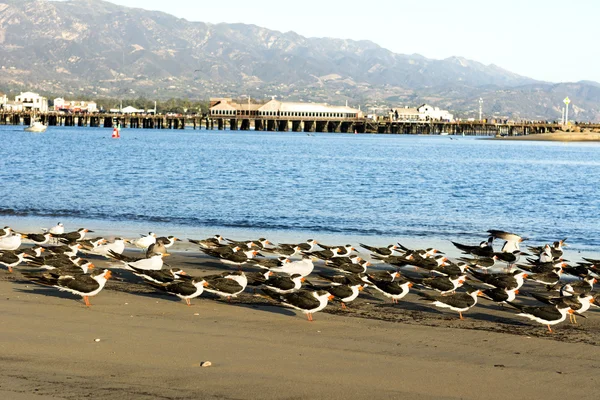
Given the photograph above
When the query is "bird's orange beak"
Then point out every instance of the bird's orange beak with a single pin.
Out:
(108, 274)
(331, 297)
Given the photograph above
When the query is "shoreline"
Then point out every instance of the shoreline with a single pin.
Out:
(559, 136)
(151, 346)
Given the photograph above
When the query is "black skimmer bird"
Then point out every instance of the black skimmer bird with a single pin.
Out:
(584, 286)
(428, 263)
(579, 304)
(285, 251)
(346, 293)
(510, 258)
(484, 249)
(307, 246)
(159, 276)
(38, 238)
(186, 289)
(84, 285)
(346, 279)
(154, 262)
(382, 252)
(551, 278)
(424, 253)
(239, 257)
(11, 242)
(500, 296)
(302, 267)
(482, 263)
(512, 240)
(306, 301)
(555, 251)
(442, 284)
(268, 263)
(35, 251)
(450, 268)
(548, 315)
(228, 286)
(259, 244)
(91, 244)
(12, 258)
(68, 249)
(459, 302)
(144, 241)
(54, 261)
(508, 281)
(326, 254)
(395, 290)
(156, 247)
(168, 241)
(74, 236)
(359, 267)
(342, 251)
(211, 242)
(284, 283)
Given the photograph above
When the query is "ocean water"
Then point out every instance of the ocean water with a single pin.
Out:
(380, 188)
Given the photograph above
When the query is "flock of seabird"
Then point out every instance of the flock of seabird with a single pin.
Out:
(280, 272)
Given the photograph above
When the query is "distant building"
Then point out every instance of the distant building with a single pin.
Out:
(430, 113)
(405, 114)
(32, 102)
(132, 110)
(3, 100)
(226, 108)
(60, 104)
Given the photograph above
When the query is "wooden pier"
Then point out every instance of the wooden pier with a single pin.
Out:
(287, 124)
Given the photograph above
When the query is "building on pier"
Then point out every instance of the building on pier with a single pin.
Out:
(32, 102)
(405, 114)
(60, 104)
(274, 109)
(430, 113)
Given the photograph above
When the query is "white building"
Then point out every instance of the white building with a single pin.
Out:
(226, 108)
(430, 113)
(132, 110)
(405, 114)
(60, 104)
(32, 102)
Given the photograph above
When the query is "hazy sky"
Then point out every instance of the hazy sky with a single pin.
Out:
(549, 40)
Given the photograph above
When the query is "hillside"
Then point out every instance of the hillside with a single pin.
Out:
(95, 48)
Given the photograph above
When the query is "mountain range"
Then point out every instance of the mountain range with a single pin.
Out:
(96, 49)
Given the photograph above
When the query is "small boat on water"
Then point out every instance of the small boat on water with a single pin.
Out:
(37, 127)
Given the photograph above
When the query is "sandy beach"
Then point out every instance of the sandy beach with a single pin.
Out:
(152, 345)
(558, 136)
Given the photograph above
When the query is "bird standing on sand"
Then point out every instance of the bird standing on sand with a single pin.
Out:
(186, 290)
(227, 285)
(459, 302)
(83, 285)
(548, 315)
(11, 259)
(307, 301)
(74, 236)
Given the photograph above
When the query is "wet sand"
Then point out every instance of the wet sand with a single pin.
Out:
(151, 346)
(558, 136)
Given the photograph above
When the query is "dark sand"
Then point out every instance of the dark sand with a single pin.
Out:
(151, 346)
(558, 136)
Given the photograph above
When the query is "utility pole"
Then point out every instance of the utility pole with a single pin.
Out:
(562, 116)
(480, 109)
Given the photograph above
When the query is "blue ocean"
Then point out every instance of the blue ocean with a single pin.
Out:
(380, 188)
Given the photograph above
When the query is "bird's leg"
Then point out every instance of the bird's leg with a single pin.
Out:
(343, 305)
(187, 301)
(550, 329)
(460, 314)
(10, 269)
(574, 318)
(309, 316)
(86, 300)
(229, 299)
